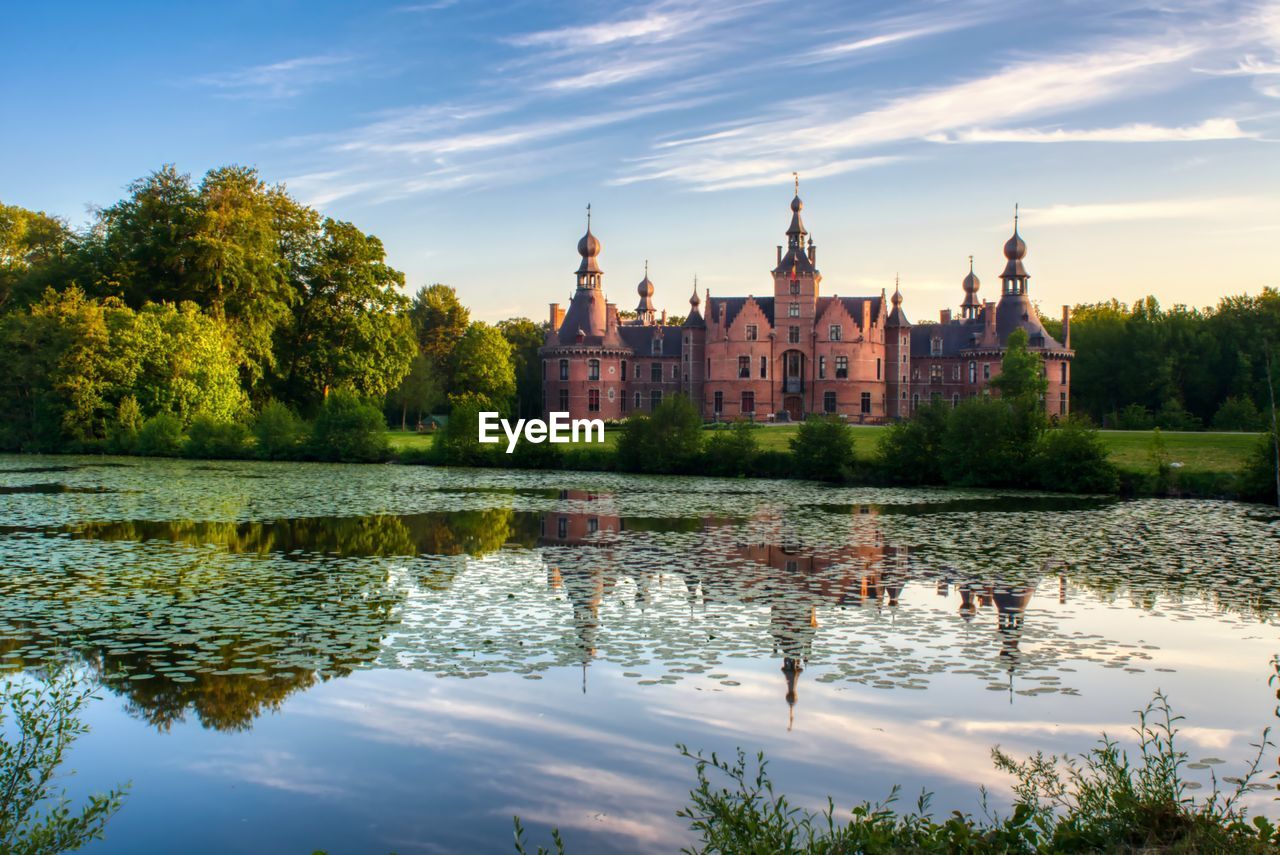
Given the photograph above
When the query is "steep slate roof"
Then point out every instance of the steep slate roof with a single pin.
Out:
(729, 307)
(639, 338)
(852, 305)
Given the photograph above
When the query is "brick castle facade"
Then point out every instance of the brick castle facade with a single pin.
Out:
(791, 353)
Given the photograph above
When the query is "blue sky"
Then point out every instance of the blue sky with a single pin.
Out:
(1140, 140)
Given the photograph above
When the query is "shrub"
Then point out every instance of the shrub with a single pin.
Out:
(822, 449)
(34, 816)
(981, 446)
(910, 451)
(535, 455)
(160, 436)
(732, 451)
(1133, 417)
(459, 443)
(210, 438)
(1257, 479)
(279, 432)
(1237, 414)
(349, 430)
(1172, 416)
(122, 433)
(1073, 458)
(668, 440)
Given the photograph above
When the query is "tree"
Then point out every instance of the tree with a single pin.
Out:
(439, 321)
(668, 440)
(421, 390)
(483, 359)
(31, 243)
(982, 446)
(350, 430)
(525, 338)
(348, 329)
(910, 451)
(1238, 414)
(1073, 458)
(1022, 385)
(732, 451)
(822, 449)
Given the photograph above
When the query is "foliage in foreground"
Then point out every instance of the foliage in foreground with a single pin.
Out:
(1103, 801)
(35, 817)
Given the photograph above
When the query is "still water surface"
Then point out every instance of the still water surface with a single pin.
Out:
(383, 658)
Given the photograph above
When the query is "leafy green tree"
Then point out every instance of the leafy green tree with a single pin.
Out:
(39, 721)
(211, 439)
(910, 451)
(350, 430)
(983, 446)
(161, 436)
(822, 449)
(33, 245)
(1258, 475)
(421, 390)
(348, 329)
(483, 359)
(668, 440)
(525, 338)
(439, 321)
(122, 435)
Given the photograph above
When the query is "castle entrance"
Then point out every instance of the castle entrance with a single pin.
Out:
(794, 407)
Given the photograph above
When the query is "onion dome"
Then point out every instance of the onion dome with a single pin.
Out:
(1015, 249)
(645, 288)
(695, 319)
(1015, 275)
(971, 283)
(645, 309)
(897, 318)
(589, 248)
(971, 304)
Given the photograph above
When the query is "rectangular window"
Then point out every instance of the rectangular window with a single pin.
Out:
(748, 402)
(544, 369)
(795, 286)
(973, 372)
(593, 400)
(842, 367)
(822, 368)
(835, 332)
(655, 399)
(793, 310)
(986, 371)
(564, 400)
(935, 373)
(622, 402)
(564, 369)
(1064, 373)
(752, 332)
(718, 406)
(655, 347)
(675, 372)
(624, 369)
(593, 525)
(744, 366)
(935, 347)
(1062, 403)
(655, 372)
(562, 528)
(764, 367)
(955, 372)
(877, 368)
(637, 400)
(866, 403)
(593, 369)
(955, 401)
(793, 335)
(828, 402)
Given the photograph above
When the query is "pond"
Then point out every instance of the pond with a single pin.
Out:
(388, 658)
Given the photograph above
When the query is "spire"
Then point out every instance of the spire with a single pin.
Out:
(589, 247)
(694, 318)
(645, 309)
(1014, 277)
(971, 304)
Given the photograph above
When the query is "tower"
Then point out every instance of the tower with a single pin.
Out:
(972, 305)
(644, 310)
(897, 355)
(693, 351)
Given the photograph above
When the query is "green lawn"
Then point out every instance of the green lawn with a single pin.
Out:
(1130, 450)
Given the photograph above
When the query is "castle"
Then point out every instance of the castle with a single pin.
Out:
(793, 353)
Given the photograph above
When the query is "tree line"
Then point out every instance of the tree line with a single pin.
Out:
(205, 303)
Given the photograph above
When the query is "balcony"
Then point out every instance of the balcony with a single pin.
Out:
(793, 385)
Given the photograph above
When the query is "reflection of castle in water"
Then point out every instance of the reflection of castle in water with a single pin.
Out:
(793, 579)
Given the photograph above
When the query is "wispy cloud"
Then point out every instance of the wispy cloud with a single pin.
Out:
(655, 26)
(283, 79)
(1210, 129)
(609, 75)
(1161, 209)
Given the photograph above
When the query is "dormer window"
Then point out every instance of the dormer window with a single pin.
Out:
(936, 347)
(655, 347)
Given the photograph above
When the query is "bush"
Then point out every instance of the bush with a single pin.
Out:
(35, 817)
(910, 451)
(1239, 414)
(732, 451)
(1257, 480)
(1133, 417)
(160, 436)
(535, 455)
(279, 432)
(668, 440)
(822, 449)
(459, 443)
(981, 446)
(122, 433)
(1072, 458)
(349, 430)
(1172, 416)
(217, 440)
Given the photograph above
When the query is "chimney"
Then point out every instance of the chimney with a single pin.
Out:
(1066, 326)
(866, 316)
(945, 316)
(610, 314)
(779, 254)
(556, 317)
(664, 317)
(989, 323)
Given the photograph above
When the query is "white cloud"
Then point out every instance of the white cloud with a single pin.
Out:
(1210, 129)
(1161, 209)
(656, 26)
(283, 79)
(609, 75)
